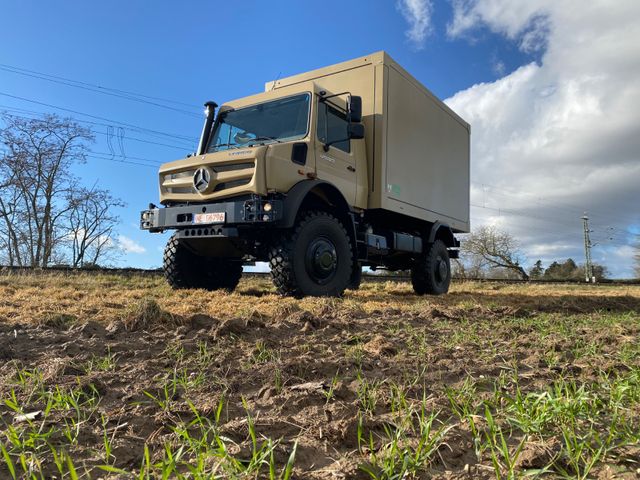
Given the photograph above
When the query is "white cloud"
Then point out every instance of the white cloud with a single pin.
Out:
(526, 21)
(129, 245)
(626, 252)
(417, 13)
(562, 136)
(550, 251)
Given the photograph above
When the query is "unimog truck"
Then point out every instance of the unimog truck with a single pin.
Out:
(356, 164)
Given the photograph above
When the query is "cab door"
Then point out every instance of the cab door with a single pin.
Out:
(335, 163)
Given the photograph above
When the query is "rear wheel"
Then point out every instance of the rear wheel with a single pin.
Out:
(183, 268)
(316, 259)
(431, 273)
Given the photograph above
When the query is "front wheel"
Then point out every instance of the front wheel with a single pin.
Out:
(431, 272)
(183, 268)
(316, 259)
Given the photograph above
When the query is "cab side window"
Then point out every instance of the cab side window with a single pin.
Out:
(332, 125)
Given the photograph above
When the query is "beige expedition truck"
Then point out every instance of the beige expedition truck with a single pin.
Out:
(352, 165)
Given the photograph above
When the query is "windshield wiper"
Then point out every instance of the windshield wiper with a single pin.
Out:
(257, 139)
(248, 144)
(220, 145)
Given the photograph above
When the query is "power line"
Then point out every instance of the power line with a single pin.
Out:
(545, 220)
(520, 214)
(155, 162)
(517, 193)
(574, 210)
(613, 238)
(135, 127)
(178, 110)
(123, 161)
(94, 155)
(40, 115)
(137, 97)
(144, 141)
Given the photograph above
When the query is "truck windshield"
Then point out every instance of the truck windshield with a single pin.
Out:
(278, 120)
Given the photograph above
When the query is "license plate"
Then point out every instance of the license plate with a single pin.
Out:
(216, 217)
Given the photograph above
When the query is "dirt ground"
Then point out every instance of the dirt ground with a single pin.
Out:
(105, 376)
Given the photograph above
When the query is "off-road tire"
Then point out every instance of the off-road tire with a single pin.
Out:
(185, 269)
(291, 254)
(431, 272)
(222, 273)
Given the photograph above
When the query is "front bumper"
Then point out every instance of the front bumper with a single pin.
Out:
(253, 211)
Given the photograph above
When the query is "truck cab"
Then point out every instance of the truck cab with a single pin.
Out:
(267, 143)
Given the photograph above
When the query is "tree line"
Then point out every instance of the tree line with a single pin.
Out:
(46, 215)
(489, 252)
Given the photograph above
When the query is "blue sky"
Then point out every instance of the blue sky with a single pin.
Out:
(190, 52)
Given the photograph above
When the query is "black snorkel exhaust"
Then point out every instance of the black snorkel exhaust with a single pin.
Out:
(209, 111)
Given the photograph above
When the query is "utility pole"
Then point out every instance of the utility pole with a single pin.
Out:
(588, 267)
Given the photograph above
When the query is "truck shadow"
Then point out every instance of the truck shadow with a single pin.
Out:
(254, 292)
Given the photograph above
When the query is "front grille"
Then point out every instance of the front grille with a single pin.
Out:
(175, 176)
(231, 184)
(181, 190)
(224, 177)
(182, 182)
(231, 168)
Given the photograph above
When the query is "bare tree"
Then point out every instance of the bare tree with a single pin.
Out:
(92, 222)
(35, 170)
(458, 269)
(493, 249)
(10, 234)
(467, 267)
(44, 213)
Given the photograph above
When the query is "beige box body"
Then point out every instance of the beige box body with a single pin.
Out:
(417, 148)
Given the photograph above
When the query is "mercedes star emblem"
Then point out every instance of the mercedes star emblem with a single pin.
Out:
(201, 179)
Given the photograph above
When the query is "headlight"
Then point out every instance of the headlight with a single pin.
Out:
(267, 207)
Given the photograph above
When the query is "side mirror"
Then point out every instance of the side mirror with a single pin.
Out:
(355, 131)
(355, 109)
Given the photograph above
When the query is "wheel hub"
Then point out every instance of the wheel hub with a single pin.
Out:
(321, 260)
(441, 269)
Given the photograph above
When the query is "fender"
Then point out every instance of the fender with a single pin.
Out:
(298, 193)
(329, 194)
(443, 231)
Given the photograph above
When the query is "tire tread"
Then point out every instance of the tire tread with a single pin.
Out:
(421, 272)
(184, 269)
(280, 255)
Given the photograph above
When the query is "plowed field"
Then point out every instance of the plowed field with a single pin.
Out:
(103, 376)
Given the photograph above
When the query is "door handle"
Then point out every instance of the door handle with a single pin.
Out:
(351, 169)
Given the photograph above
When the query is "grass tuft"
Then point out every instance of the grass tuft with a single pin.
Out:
(144, 314)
